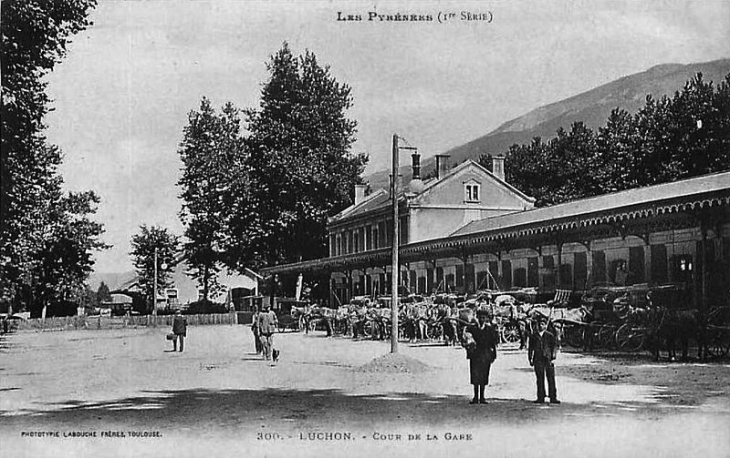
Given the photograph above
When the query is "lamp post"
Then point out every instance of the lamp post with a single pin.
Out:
(154, 286)
(395, 282)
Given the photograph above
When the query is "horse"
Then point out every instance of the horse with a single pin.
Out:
(448, 326)
(667, 327)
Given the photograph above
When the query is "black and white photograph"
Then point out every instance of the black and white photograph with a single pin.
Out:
(289, 228)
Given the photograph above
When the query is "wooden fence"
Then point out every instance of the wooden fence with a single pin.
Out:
(119, 322)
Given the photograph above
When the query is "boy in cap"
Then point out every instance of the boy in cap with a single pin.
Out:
(541, 353)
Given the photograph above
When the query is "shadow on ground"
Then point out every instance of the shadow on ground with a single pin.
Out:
(319, 408)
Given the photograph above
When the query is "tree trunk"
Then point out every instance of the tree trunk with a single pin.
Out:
(206, 281)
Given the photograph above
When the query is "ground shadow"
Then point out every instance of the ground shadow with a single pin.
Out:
(312, 408)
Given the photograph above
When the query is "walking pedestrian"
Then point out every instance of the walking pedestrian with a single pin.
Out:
(541, 353)
(481, 350)
(267, 323)
(255, 330)
(179, 328)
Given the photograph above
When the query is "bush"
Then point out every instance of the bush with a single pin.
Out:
(205, 307)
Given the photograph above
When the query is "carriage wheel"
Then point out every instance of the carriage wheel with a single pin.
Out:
(434, 331)
(630, 338)
(719, 344)
(606, 337)
(573, 335)
(367, 330)
(510, 333)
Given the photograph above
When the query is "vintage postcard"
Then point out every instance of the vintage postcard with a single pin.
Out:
(199, 220)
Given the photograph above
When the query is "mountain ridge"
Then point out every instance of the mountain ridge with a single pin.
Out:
(592, 107)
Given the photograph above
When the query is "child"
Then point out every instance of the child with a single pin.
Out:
(541, 353)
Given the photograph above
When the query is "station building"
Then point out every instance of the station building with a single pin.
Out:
(468, 229)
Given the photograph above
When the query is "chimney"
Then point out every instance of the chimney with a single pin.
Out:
(360, 193)
(416, 165)
(442, 165)
(498, 166)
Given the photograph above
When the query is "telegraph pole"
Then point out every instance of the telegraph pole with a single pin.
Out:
(154, 289)
(396, 269)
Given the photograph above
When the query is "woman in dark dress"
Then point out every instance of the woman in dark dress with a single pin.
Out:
(481, 349)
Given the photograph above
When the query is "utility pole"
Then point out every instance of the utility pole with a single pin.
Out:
(396, 269)
(154, 290)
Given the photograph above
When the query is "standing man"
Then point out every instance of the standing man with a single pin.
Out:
(255, 330)
(541, 353)
(267, 323)
(179, 328)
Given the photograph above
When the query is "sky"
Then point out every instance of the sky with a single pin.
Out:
(123, 92)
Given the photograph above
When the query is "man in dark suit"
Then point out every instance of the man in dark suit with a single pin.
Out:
(541, 353)
(180, 329)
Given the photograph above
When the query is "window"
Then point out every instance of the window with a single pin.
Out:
(471, 192)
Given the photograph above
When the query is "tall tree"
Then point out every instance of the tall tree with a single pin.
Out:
(299, 167)
(618, 153)
(212, 156)
(144, 245)
(35, 34)
(103, 294)
(670, 138)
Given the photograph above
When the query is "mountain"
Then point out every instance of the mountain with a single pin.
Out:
(591, 107)
(112, 279)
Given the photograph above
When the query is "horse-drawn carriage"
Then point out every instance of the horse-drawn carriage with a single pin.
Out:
(288, 313)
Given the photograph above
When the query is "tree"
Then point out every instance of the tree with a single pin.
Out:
(144, 245)
(618, 153)
(299, 168)
(671, 138)
(35, 35)
(212, 155)
(103, 294)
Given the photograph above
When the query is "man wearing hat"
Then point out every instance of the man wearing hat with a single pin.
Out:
(481, 349)
(267, 324)
(179, 328)
(541, 353)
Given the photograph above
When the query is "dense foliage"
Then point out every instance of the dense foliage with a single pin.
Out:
(144, 245)
(46, 235)
(212, 156)
(266, 200)
(672, 138)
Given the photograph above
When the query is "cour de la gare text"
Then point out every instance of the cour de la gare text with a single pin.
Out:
(440, 17)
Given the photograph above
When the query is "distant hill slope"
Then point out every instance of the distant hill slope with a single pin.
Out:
(112, 279)
(591, 107)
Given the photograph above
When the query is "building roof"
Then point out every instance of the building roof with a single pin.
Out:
(604, 203)
(374, 201)
(380, 199)
(470, 162)
(652, 202)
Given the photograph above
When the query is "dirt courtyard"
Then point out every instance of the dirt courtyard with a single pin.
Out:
(124, 393)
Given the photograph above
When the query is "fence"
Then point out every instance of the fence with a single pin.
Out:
(119, 322)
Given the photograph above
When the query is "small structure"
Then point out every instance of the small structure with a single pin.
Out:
(119, 305)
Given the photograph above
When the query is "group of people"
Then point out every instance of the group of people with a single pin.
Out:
(480, 340)
(264, 325)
